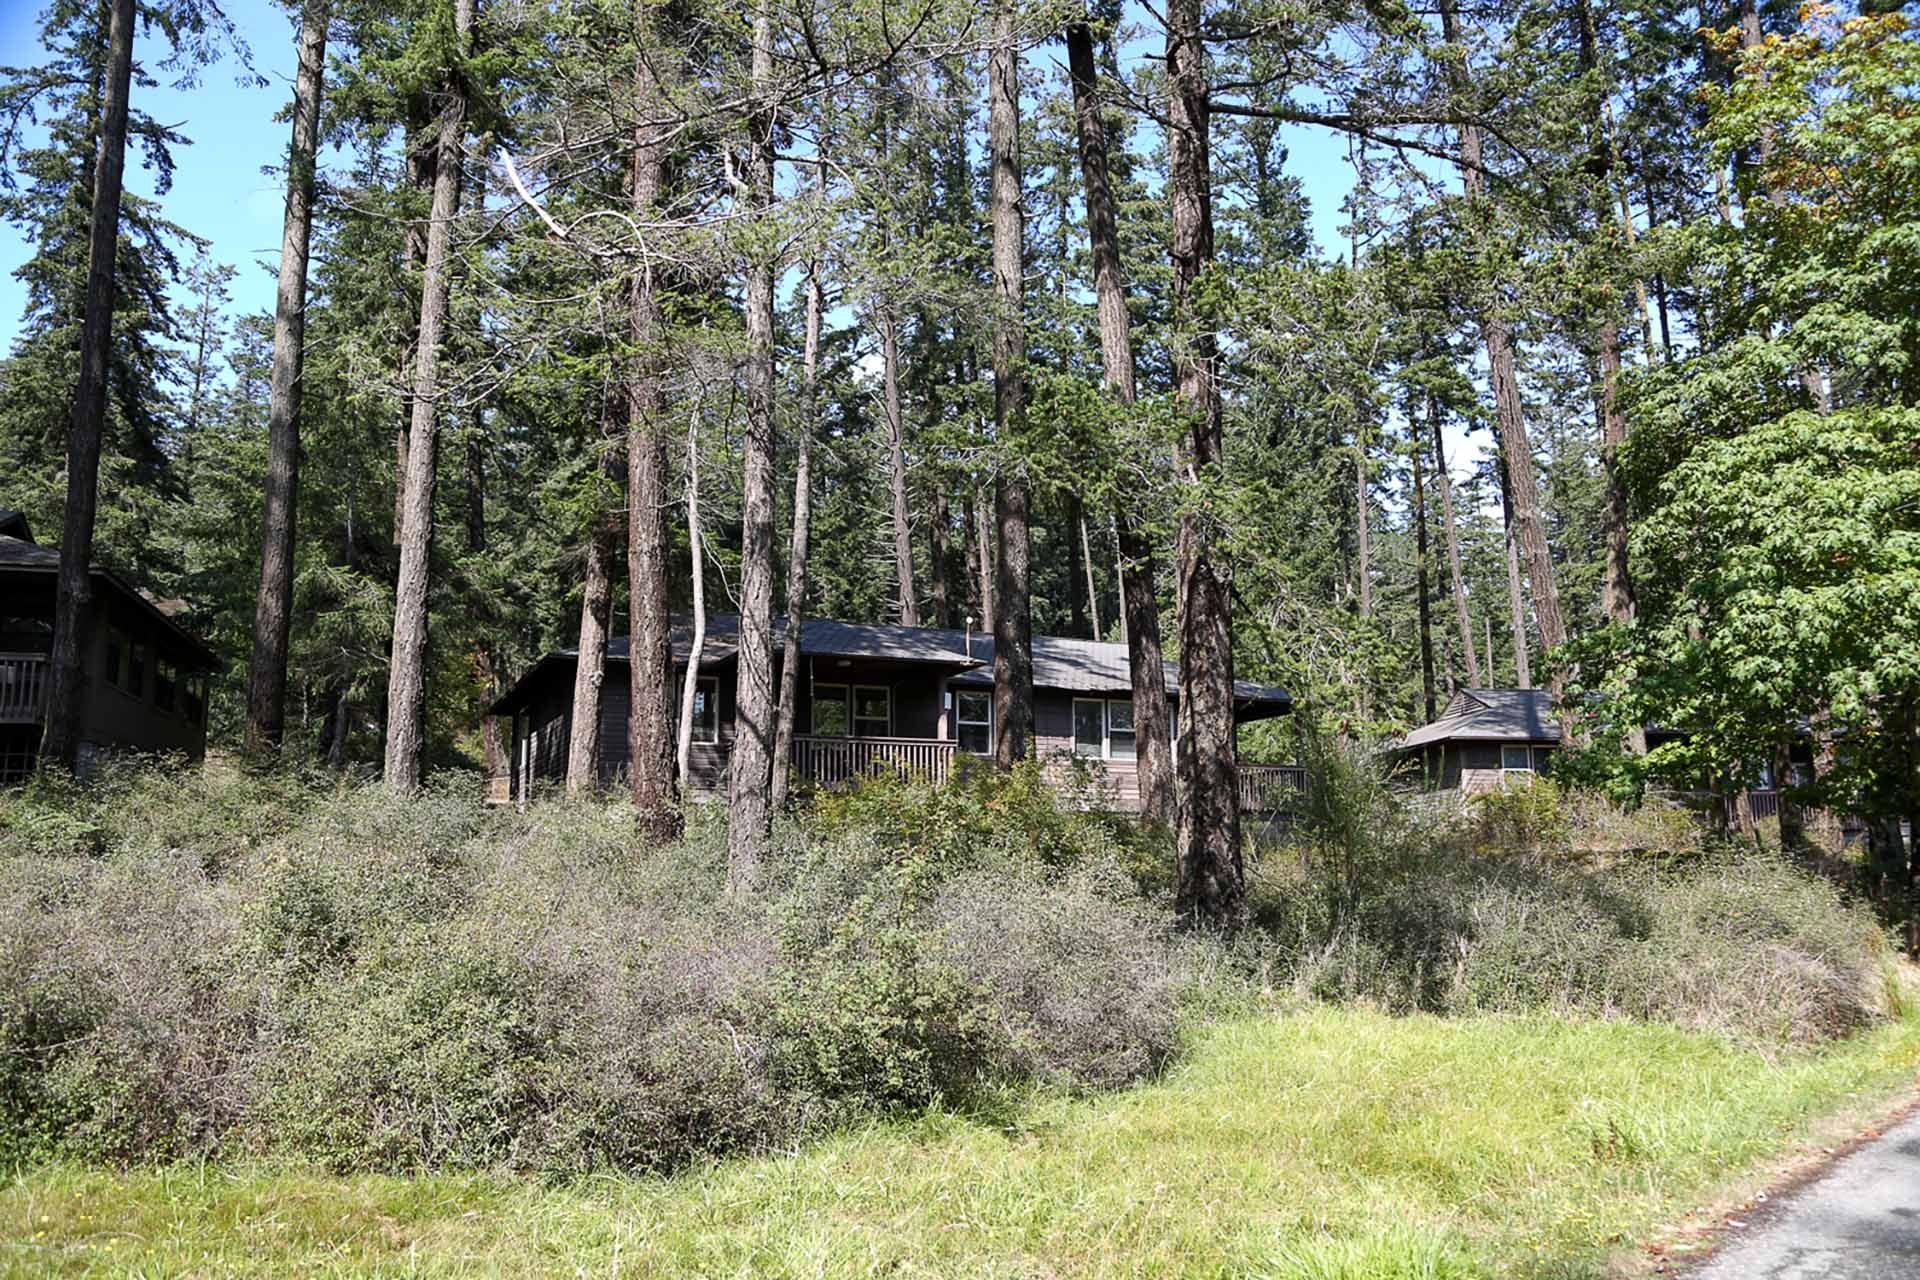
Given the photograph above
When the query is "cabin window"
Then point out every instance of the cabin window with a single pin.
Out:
(1515, 761)
(1089, 728)
(196, 698)
(1120, 740)
(706, 710)
(872, 711)
(137, 670)
(830, 712)
(116, 672)
(166, 684)
(1103, 729)
(973, 721)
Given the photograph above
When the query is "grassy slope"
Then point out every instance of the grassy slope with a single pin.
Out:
(1331, 1143)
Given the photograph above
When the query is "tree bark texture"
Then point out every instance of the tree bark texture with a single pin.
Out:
(273, 604)
(1362, 528)
(1444, 483)
(1523, 487)
(86, 425)
(1013, 612)
(1212, 882)
(897, 467)
(802, 532)
(752, 756)
(696, 649)
(407, 678)
(1139, 601)
(1422, 587)
(589, 674)
(650, 769)
(423, 157)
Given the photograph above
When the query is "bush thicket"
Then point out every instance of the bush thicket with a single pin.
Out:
(215, 962)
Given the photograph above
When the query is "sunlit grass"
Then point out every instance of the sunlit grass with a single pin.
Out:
(1328, 1144)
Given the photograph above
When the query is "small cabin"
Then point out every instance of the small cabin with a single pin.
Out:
(145, 686)
(872, 699)
(1484, 737)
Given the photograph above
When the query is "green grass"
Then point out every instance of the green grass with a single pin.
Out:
(1333, 1144)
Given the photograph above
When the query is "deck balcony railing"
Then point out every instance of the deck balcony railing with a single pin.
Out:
(23, 687)
(1271, 788)
(831, 762)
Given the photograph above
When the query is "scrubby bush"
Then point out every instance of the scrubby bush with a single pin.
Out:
(207, 961)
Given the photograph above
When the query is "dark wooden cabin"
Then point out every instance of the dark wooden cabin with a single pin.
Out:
(146, 677)
(874, 699)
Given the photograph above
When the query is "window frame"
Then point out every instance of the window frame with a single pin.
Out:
(960, 722)
(854, 718)
(813, 709)
(712, 684)
(1530, 768)
(1107, 730)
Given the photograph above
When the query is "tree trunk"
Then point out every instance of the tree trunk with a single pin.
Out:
(423, 154)
(589, 674)
(1212, 883)
(1013, 614)
(940, 549)
(1079, 572)
(1139, 603)
(486, 658)
(1522, 487)
(752, 755)
(1362, 523)
(897, 467)
(980, 531)
(650, 768)
(1087, 562)
(802, 531)
(1422, 589)
(1444, 483)
(407, 680)
(273, 605)
(1517, 607)
(73, 603)
(690, 687)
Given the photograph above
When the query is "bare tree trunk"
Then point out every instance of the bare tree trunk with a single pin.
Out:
(897, 467)
(982, 526)
(802, 531)
(423, 155)
(273, 605)
(752, 756)
(486, 659)
(1212, 883)
(1523, 489)
(940, 548)
(1422, 587)
(1517, 606)
(1445, 484)
(690, 687)
(73, 600)
(1087, 562)
(1013, 629)
(650, 769)
(407, 680)
(1139, 604)
(589, 674)
(1362, 528)
(1079, 572)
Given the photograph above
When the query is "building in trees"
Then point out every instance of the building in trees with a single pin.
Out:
(881, 699)
(145, 678)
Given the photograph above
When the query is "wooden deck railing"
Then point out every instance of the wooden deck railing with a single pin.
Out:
(829, 762)
(1271, 788)
(23, 687)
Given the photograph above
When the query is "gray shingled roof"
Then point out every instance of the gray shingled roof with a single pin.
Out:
(18, 554)
(31, 557)
(14, 525)
(1490, 715)
(1080, 666)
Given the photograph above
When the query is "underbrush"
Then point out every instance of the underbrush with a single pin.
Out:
(1539, 899)
(212, 963)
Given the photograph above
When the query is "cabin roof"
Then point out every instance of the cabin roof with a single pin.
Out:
(1078, 666)
(1490, 715)
(22, 555)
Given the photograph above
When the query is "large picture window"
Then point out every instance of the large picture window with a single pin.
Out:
(861, 711)
(872, 711)
(973, 721)
(832, 717)
(1103, 729)
(1521, 763)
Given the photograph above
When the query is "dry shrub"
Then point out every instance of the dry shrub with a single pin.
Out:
(374, 982)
